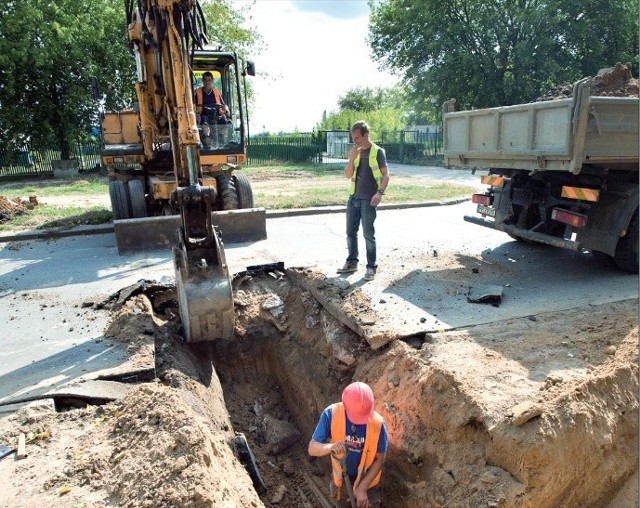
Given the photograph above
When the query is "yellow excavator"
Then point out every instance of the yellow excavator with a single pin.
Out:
(172, 177)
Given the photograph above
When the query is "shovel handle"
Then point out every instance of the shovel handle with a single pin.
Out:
(345, 478)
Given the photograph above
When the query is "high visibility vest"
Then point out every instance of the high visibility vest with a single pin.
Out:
(200, 100)
(373, 164)
(339, 433)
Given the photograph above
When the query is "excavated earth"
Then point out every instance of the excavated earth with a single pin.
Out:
(616, 81)
(532, 412)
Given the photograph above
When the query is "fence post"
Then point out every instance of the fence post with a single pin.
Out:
(401, 147)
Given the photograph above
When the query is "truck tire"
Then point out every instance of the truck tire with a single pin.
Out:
(603, 258)
(243, 190)
(227, 197)
(119, 200)
(136, 195)
(626, 256)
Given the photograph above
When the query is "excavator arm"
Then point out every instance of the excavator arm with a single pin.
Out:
(162, 34)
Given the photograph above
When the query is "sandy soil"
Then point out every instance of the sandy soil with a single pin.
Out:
(534, 412)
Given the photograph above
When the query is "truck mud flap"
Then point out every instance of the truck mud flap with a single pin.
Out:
(525, 234)
(158, 233)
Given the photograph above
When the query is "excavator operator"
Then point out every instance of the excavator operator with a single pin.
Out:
(210, 104)
(211, 111)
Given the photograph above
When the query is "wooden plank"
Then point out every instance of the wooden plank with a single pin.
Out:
(22, 440)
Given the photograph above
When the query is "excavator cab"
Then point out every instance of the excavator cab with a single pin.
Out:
(222, 130)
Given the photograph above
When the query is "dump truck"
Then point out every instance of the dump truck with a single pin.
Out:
(561, 172)
(172, 178)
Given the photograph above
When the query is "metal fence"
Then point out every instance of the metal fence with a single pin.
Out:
(31, 161)
(408, 147)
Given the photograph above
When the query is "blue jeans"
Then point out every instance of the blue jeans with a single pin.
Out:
(360, 210)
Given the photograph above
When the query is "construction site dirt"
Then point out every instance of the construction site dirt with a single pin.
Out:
(538, 411)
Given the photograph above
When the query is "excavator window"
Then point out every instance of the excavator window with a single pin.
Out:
(215, 124)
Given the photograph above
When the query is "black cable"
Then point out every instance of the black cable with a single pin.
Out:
(202, 27)
(161, 28)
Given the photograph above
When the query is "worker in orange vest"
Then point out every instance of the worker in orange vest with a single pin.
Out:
(209, 103)
(356, 437)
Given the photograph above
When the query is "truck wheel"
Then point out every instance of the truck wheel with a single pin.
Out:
(119, 200)
(603, 259)
(243, 190)
(136, 195)
(626, 256)
(227, 192)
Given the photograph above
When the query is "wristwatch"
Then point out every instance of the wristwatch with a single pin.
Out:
(381, 192)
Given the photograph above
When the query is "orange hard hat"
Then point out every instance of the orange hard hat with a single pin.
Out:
(358, 402)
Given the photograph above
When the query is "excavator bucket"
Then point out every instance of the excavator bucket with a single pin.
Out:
(203, 285)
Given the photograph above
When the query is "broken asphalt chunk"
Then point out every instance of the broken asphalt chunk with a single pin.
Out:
(491, 294)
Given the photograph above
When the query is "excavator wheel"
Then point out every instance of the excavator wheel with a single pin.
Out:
(203, 286)
(136, 197)
(227, 192)
(243, 190)
(119, 200)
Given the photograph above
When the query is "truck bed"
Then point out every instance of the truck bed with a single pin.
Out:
(556, 135)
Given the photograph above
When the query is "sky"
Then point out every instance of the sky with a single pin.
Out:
(314, 51)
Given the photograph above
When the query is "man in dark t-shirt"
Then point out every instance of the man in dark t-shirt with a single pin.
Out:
(367, 169)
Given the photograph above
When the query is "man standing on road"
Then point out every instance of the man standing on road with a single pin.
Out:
(369, 174)
(356, 437)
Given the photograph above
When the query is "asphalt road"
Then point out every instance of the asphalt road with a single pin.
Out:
(50, 335)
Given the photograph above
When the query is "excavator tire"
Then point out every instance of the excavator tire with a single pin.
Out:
(136, 196)
(227, 192)
(119, 200)
(626, 255)
(203, 286)
(243, 190)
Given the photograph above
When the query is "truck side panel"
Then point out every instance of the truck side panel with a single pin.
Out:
(612, 132)
(543, 136)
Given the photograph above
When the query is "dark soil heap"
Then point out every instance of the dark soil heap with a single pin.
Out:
(614, 81)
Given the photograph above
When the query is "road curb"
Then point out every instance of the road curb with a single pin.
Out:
(100, 229)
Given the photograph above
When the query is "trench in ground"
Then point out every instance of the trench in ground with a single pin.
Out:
(574, 445)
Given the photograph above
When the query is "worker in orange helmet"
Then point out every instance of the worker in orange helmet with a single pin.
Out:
(356, 437)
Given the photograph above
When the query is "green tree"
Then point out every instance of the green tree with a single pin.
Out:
(50, 50)
(370, 99)
(379, 120)
(48, 53)
(226, 26)
(384, 109)
(500, 52)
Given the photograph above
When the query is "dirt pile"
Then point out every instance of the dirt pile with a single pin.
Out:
(533, 412)
(614, 81)
(10, 207)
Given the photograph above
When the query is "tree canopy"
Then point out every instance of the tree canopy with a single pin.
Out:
(48, 53)
(384, 109)
(500, 52)
(50, 50)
